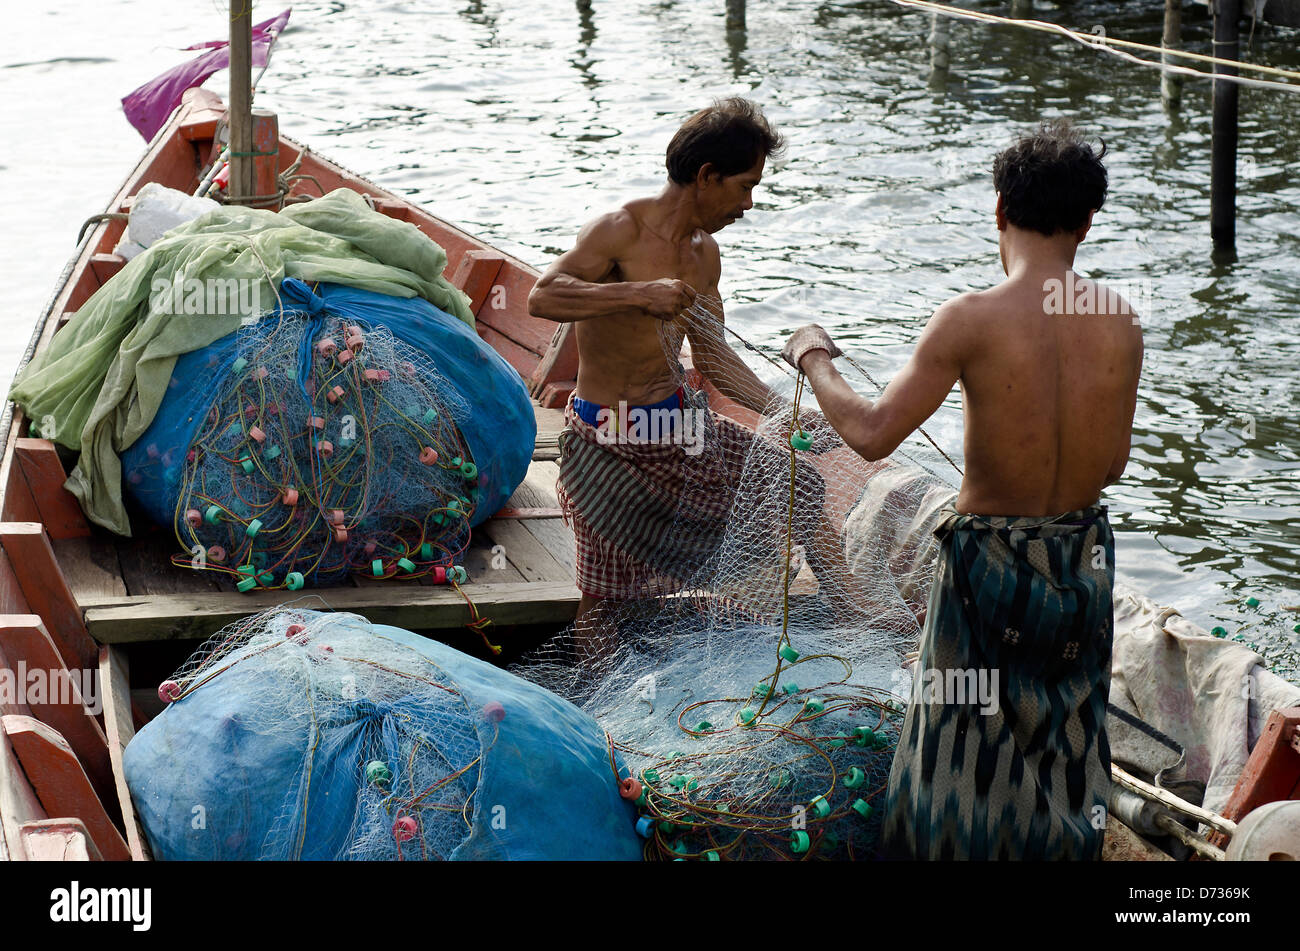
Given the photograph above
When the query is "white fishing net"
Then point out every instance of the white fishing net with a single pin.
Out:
(750, 668)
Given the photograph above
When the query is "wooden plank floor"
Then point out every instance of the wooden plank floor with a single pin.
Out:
(521, 571)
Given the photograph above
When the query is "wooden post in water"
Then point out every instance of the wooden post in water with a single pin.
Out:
(1171, 86)
(735, 14)
(1223, 143)
(938, 45)
(1022, 9)
(241, 99)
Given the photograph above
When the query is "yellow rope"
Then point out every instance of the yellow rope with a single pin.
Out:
(789, 546)
(1116, 47)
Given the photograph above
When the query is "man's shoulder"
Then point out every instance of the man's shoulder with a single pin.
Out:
(966, 309)
(712, 254)
(618, 227)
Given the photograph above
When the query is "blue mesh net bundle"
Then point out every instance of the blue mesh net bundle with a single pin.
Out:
(348, 431)
(296, 734)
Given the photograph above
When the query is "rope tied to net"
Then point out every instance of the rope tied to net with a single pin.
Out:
(479, 624)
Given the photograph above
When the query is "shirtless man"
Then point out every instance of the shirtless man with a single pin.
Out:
(640, 268)
(627, 284)
(1022, 591)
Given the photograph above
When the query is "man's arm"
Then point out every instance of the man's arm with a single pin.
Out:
(716, 359)
(574, 287)
(874, 430)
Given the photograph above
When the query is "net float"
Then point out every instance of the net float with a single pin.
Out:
(630, 788)
(404, 829)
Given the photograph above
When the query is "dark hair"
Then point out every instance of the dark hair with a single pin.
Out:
(732, 134)
(1050, 179)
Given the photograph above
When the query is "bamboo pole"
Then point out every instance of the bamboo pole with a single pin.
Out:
(1171, 85)
(241, 99)
(1223, 144)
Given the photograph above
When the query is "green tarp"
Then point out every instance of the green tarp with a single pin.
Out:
(98, 384)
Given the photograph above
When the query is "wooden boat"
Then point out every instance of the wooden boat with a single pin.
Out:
(76, 598)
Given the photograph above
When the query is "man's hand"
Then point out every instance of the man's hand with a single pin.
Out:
(805, 340)
(667, 298)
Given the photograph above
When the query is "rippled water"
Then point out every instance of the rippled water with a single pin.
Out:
(519, 121)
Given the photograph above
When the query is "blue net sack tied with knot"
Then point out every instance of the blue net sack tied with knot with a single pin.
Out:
(297, 734)
(348, 431)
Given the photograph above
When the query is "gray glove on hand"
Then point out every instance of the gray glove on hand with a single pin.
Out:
(805, 340)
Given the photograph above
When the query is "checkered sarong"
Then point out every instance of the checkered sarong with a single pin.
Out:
(649, 518)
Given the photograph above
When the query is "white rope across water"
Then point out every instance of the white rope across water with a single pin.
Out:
(1118, 47)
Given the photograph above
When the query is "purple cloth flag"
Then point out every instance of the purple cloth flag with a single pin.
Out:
(149, 107)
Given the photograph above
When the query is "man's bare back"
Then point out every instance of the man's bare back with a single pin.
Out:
(1048, 396)
(1048, 399)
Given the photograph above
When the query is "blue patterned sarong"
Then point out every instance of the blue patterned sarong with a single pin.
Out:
(1003, 754)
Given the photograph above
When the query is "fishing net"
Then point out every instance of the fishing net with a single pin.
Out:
(350, 432)
(296, 734)
(760, 593)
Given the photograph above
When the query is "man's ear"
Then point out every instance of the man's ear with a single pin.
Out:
(707, 175)
(1000, 213)
(1082, 233)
